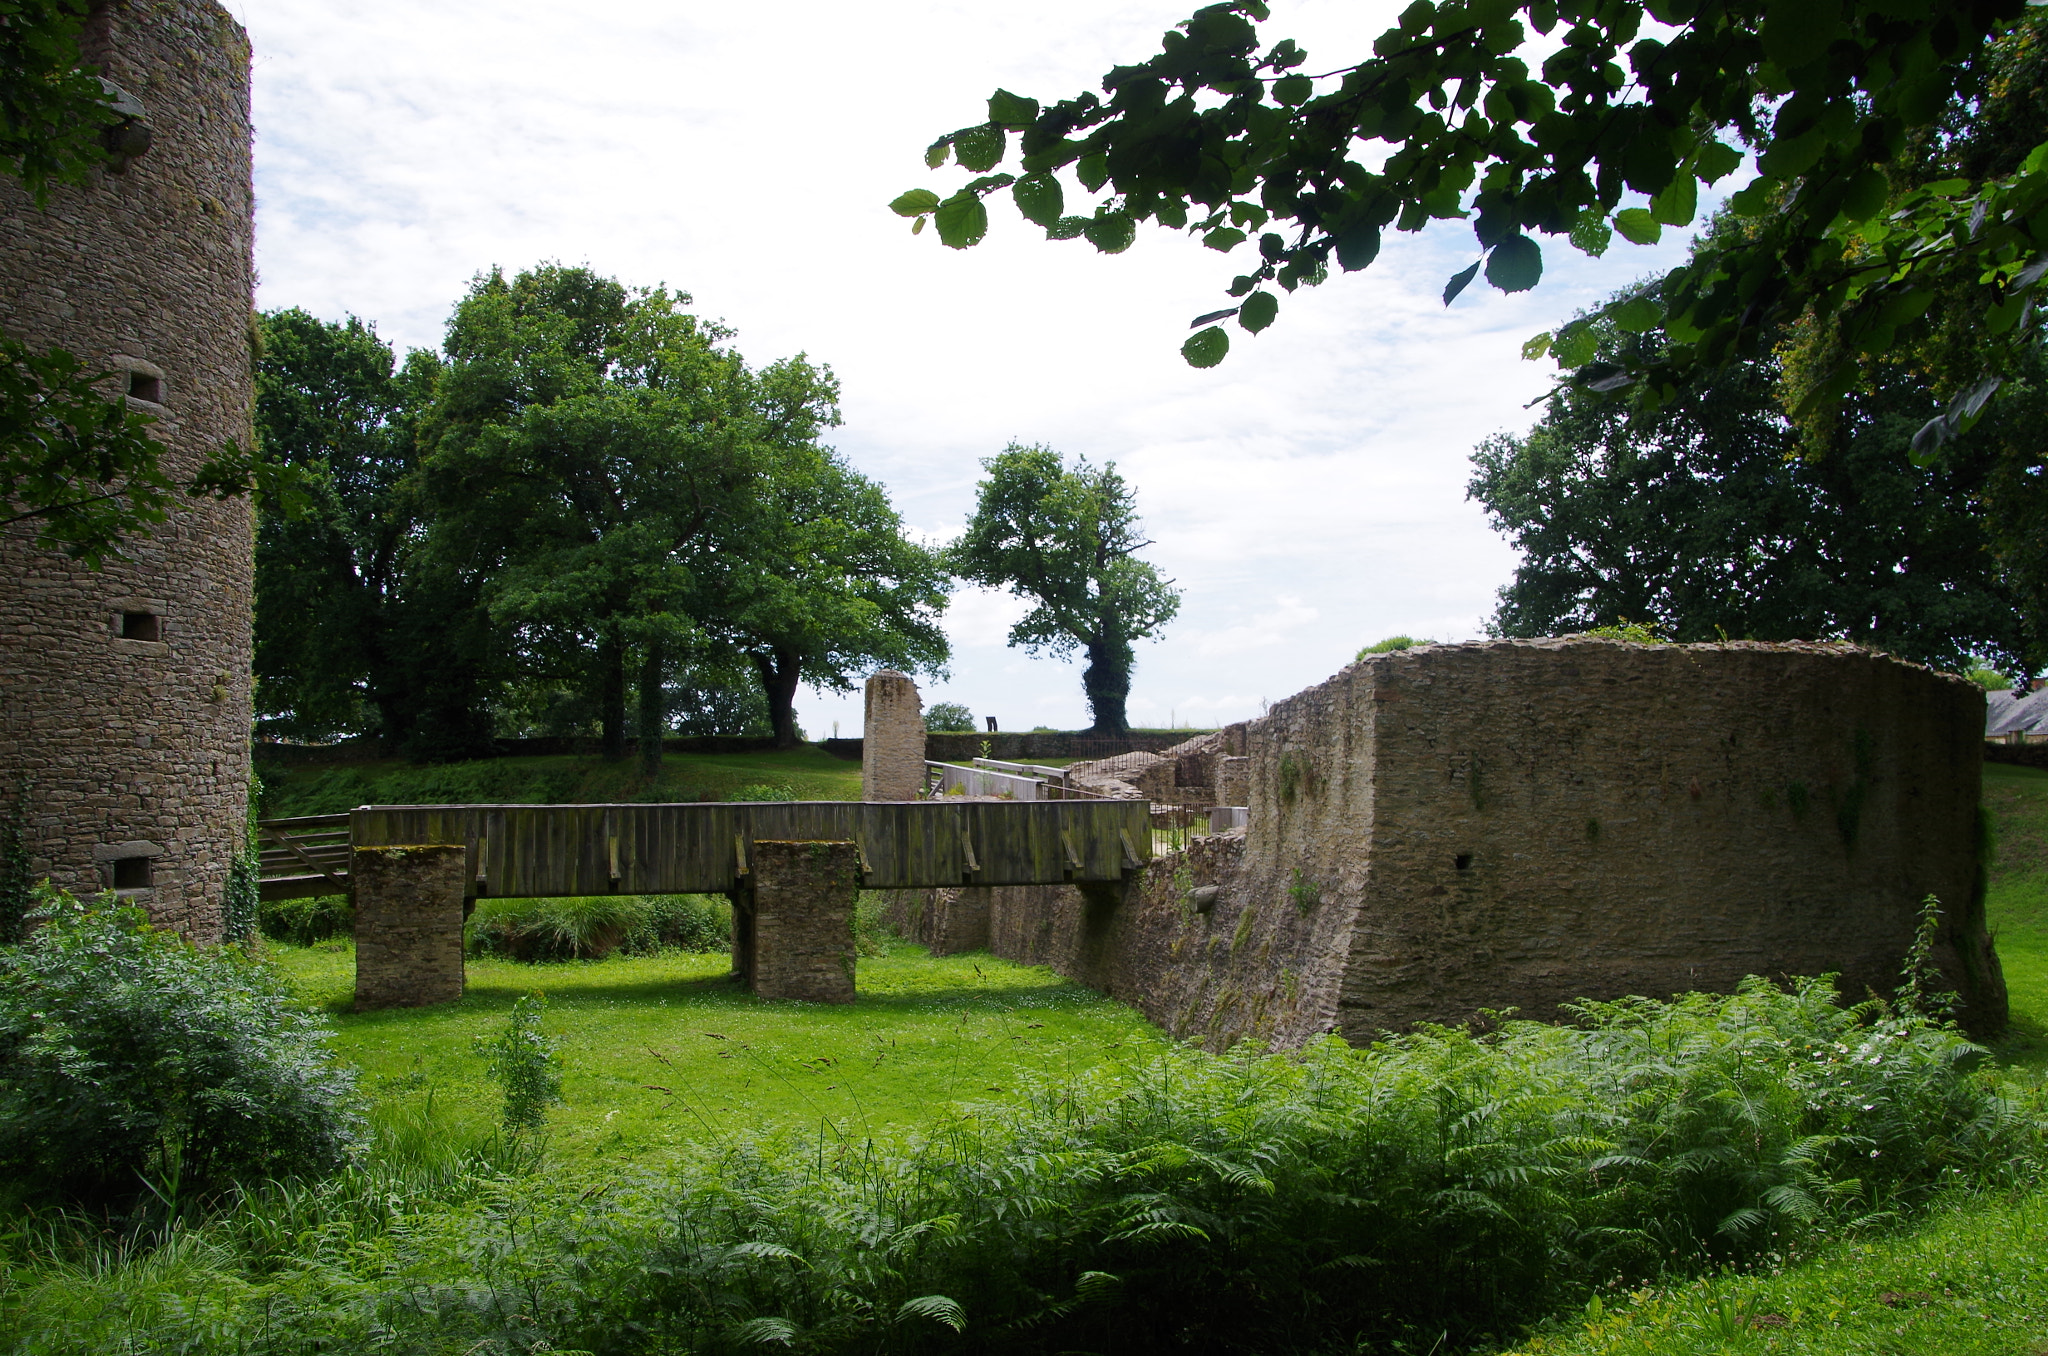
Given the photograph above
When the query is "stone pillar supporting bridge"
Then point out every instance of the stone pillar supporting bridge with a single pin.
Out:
(792, 870)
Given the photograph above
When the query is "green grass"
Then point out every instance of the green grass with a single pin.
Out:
(320, 790)
(1972, 1281)
(2017, 905)
(668, 1049)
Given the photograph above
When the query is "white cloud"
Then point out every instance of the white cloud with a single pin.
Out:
(746, 154)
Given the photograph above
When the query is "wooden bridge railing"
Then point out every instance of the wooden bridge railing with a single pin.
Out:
(307, 855)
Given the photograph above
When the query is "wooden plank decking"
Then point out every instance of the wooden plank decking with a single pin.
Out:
(524, 851)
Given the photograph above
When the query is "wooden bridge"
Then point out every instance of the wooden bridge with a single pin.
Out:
(792, 869)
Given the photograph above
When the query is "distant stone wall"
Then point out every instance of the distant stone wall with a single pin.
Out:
(1448, 830)
(135, 734)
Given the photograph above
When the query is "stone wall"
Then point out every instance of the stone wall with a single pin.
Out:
(137, 748)
(892, 739)
(408, 924)
(1518, 824)
(798, 938)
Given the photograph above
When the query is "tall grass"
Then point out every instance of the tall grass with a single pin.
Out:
(598, 926)
(1439, 1190)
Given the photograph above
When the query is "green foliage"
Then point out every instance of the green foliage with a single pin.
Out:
(1990, 679)
(775, 791)
(53, 109)
(526, 1064)
(132, 1061)
(1638, 633)
(1711, 518)
(241, 898)
(595, 927)
(948, 716)
(17, 876)
(1067, 539)
(303, 922)
(1392, 644)
(1460, 1186)
(1305, 893)
(1563, 118)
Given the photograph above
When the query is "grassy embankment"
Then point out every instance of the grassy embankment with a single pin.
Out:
(1971, 1281)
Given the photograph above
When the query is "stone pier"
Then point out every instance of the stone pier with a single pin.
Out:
(892, 739)
(793, 923)
(409, 908)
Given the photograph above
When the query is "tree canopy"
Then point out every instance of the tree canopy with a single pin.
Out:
(1571, 119)
(1703, 521)
(591, 496)
(1067, 538)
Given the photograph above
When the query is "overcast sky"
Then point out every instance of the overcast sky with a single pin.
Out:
(1308, 495)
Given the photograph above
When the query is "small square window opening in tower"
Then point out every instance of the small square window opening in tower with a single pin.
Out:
(132, 873)
(141, 626)
(143, 386)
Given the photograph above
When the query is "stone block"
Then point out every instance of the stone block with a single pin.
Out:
(892, 739)
(797, 937)
(409, 903)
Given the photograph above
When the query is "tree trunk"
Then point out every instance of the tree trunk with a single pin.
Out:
(653, 707)
(611, 679)
(780, 673)
(1107, 682)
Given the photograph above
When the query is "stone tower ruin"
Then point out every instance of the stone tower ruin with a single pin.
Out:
(124, 691)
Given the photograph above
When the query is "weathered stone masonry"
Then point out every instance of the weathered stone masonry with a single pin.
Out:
(1518, 824)
(137, 747)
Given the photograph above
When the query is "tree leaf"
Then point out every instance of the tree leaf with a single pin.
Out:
(1206, 348)
(1040, 198)
(936, 153)
(979, 148)
(1866, 194)
(962, 220)
(915, 203)
(1534, 348)
(1636, 224)
(1066, 228)
(1458, 283)
(1293, 89)
(1715, 161)
(1111, 232)
(1591, 233)
(1092, 171)
(1516, 264)
(1678, 201)
(1797, 32)
(1637, 315)
(1576, 344)
(1603, 377)
(1011, 110)
(1258, 311)
(1213, 316)
(1224, 238)
(1358, 247)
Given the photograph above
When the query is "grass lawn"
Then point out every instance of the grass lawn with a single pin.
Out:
(2017, 904)
(808, 772)
(663, 1049)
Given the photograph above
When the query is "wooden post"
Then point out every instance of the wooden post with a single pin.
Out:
(409, 924)
(799, 932)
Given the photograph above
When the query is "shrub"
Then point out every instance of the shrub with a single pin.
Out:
(592, 927)
(303, 922)
(764, 791)
(525, 1063)
(1392, 644)
(131, 1059)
